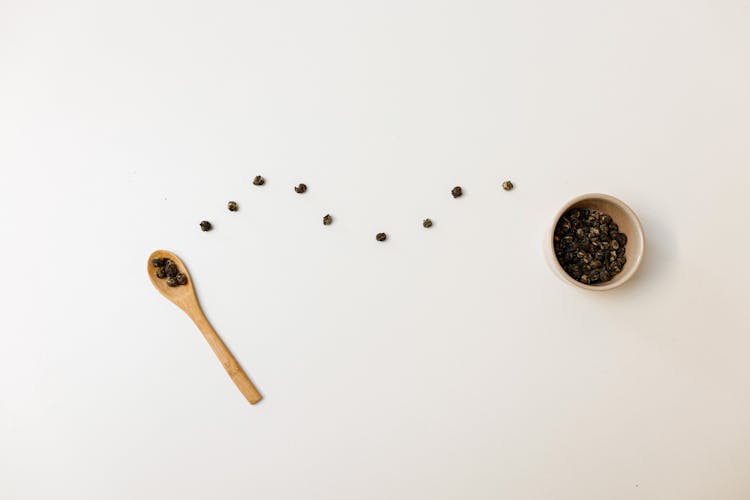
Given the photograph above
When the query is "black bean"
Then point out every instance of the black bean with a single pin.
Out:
(381, 236)
(327, 220)
(206, 226)
(427, 223)
(457, 191)
(300, 188)
(259, 180)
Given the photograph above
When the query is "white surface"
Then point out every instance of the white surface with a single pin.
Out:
(444, 364)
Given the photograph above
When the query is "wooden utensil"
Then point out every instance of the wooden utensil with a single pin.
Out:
(186, 299)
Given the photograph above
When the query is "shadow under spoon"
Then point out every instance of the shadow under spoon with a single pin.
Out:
(185, 298)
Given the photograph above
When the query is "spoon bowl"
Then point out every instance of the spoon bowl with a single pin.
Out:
(183, 296)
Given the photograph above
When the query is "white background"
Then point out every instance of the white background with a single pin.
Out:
(442, 364)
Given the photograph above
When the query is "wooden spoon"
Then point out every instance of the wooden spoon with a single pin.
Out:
(185, 298)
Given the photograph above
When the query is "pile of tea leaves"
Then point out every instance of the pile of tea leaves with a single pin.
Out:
(589, 245)
(167, 269)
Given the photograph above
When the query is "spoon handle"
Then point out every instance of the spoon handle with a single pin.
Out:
(233, 368)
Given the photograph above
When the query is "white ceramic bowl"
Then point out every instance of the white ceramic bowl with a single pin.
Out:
(628, 223)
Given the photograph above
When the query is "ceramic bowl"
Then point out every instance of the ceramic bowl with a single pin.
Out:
(628, 223)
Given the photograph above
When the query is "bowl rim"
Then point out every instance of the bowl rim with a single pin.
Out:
(624, 276)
